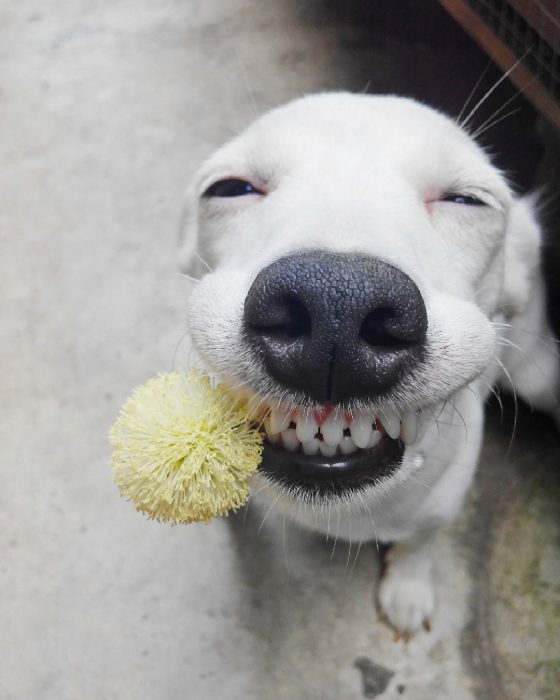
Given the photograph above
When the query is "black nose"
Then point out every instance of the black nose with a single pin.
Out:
(335, 326)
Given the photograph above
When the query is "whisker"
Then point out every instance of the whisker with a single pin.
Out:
(298, 514)
(284, 541)
(492, 89)
(236, 387)
(456, 410)
(505, 342)
(472, 92)
(268, 512)
(430, 456)
(493, 389)
(554, 344)
(350, 537)
(508, 343)
(246, 82)
(189, 357)
(337, 531)
(188, 277)
(360, 496)
(267, 485)
(515, 403)
(359, 547)
(428, 487)
(252, 495)
(176, 351)
(436, 420)
(254, 408)
(203, 261)
(481, 131)
(518, 92)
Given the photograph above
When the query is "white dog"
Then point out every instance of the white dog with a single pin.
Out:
(372, 277)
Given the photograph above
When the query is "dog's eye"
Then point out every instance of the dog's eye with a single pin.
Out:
(468, 199)
(230, 187)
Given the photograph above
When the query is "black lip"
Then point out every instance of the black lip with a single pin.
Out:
(325, 477)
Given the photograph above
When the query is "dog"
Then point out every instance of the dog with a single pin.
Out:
(367, 276)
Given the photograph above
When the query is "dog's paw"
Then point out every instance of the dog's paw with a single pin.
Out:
(407, 603)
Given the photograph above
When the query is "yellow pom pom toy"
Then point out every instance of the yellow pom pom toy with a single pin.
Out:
(182, 450)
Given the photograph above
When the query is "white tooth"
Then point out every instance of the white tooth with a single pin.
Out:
(311, 447)
(273, 438)
(326, 449)
(279, 420)
(391, 422)
(306, 427)
(361, 429)
(347, 445)
(409, 428)
(290, 440)
(376, 436)
(332, 429)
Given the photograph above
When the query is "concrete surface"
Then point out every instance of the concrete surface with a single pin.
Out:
(105, 110)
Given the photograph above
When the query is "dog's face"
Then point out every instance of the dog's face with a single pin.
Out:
(357, 249)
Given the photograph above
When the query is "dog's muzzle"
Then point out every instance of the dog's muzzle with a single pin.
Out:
(335, 328)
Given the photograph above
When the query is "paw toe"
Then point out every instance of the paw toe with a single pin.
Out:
(407, 604)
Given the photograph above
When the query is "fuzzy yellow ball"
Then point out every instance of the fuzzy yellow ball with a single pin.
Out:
(182, 450)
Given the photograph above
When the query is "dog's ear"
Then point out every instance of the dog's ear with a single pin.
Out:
(522, 256)
(189, 257)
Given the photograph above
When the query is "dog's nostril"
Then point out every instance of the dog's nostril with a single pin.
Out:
(376, 331)
(288, 319)
(298, 321)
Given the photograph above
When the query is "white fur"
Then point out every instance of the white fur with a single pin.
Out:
(354, 173)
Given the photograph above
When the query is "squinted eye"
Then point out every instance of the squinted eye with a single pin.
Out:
(467, 199)
(231, 187)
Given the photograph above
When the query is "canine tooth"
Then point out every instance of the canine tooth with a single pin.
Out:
(290, 440)
(326, 449)
(361, 429)
(409, 427)
(306, 427)
(347, 445)
(332, 430)
(375, 437)
(311, 447)
(279, 420)
(391, 422)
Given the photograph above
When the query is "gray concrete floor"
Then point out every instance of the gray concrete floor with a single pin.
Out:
(105, 110)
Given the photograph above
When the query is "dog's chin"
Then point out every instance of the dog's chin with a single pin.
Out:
(322, 478)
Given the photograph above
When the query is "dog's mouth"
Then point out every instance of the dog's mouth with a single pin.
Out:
(328, 452)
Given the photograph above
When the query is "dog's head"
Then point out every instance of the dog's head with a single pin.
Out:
(357, 247)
